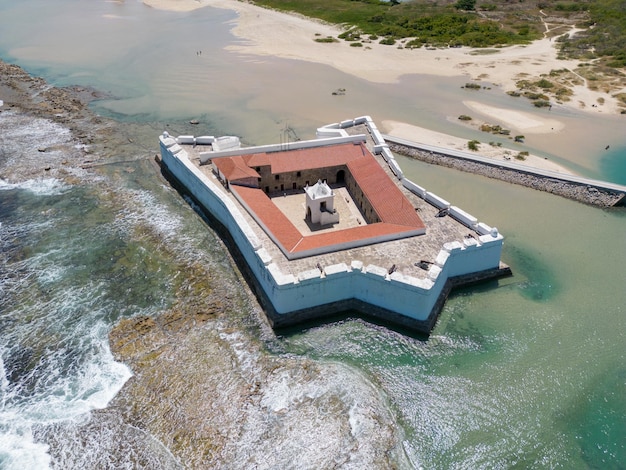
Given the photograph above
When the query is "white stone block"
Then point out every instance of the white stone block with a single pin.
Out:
(186, 139)
(310, 274)
(414, 188)
(470, 242)
(463, 217)
(483, 228)
(336, 269)
(347, 123)
(441, 258)
(434, 272)
(205, 140)
(387, 155)
(490, 238)
(438, 202)
(451, 246)
(357, 265)
(377, 137)
(168, 142)
(264, 256)
(376, 270)
(393, 164)
(174, 149)
(280, 278)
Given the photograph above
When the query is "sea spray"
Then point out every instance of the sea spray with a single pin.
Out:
(70, 267)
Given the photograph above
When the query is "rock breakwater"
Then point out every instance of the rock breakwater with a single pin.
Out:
(579, 192)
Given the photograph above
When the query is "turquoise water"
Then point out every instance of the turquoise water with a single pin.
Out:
(527, 373)
(613, 165)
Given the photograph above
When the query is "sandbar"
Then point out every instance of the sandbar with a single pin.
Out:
(266, 32)
(505, 153)
(277, 34)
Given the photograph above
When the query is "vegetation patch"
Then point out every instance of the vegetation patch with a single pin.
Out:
(472, 86)
(541, 104)
(445, 23)
(487, 26)
(326, 39)
(473, 145)
(494, 129)
(484, 51)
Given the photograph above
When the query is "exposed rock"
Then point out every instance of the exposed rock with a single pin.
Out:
(577, 192)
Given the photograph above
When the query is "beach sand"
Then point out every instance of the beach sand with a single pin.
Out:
(266, 32)
(438, 139)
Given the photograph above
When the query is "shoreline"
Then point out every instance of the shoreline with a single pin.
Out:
(269, 33)
(438, 139)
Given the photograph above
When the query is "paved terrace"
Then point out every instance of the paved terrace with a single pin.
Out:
(402, 253)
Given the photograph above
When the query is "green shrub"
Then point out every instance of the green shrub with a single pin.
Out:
(472, 86)
(473, 145)
(326, 39)
(541, 104)
(535, 96)
(466, 5)
(543, 83)
(350, 35)
(465, 117)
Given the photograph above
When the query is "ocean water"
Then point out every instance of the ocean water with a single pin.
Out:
(613, 165)
(527, 373)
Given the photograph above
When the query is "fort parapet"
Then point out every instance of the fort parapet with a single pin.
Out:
(392, 250)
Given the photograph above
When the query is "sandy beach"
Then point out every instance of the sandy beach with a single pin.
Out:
(505, 153)
(270, 33)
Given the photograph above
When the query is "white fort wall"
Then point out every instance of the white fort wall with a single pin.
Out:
(406, 295)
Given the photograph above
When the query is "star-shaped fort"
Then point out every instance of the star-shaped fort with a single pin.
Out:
(332, 225)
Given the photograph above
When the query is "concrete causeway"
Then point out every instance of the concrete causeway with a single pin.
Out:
(580, 188)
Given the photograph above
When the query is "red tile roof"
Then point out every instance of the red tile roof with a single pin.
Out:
(257, 159)
(384, 196)
(398, 216)
(234, 168)
(293, 241)
(308, 158)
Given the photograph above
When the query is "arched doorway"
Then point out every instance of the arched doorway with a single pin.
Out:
(341, 176)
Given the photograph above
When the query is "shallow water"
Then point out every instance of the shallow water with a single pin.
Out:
(528, 374)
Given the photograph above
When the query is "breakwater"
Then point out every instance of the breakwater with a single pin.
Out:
(588, 191)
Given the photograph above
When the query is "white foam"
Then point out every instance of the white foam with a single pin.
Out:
(145, 209)
(18, 451)
(39, 186)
